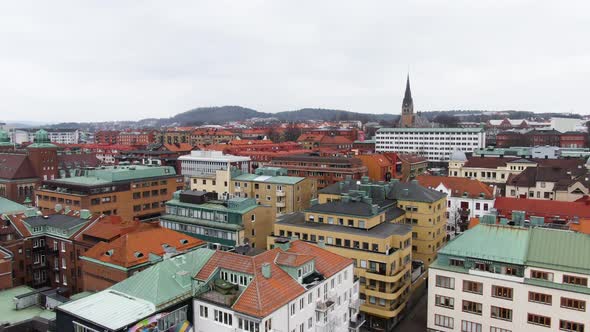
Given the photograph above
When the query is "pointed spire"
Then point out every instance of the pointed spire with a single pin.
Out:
(408, 94)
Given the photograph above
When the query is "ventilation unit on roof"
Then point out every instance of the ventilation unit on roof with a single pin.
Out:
(109, 252)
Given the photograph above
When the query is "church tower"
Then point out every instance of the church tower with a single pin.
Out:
(407, 119)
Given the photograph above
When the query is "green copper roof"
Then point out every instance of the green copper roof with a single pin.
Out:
(109, 174)
(537, 246)
(4, 138)
(8, 314)
(489, 242)
(42, 140)
(167, 281)
(559, 250)
(9, 207)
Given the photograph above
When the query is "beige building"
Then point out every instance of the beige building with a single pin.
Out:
(372, 236)
(271, 186)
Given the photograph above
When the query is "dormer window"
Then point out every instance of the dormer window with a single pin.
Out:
(109, 252)
(138, 254)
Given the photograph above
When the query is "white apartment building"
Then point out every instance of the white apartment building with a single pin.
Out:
(295, 287)
(511, 279)
(59, 136)
(436, 144)
(211, 170)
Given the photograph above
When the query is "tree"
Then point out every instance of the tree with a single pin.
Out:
(274, 135)
(292, 133)
(447, 121)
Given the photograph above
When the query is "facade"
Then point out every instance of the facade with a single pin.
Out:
(544, 137)
(107, 137)
(373, 235)
(56, 136)
(272, 186)
(201, 168)
(553, 212)
(43, 250)
(135, 138)
(225, 224)
(208, 136)
(294, 287)
(423, 208)
(550, 183)
(412, 166)
(466, 199)
(436, 144)
(510, 278)
(130, 191)
(325, 170)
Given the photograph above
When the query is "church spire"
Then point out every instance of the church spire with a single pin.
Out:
(408, 95)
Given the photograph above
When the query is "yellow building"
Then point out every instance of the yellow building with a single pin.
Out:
(374, 236)
(271, 186)
(424, 210)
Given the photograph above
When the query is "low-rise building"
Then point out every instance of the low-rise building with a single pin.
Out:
(412, 166)
(130, 191)
(325, 170)
(554, 212)
(382, 166)
(510, 278)
(108, 263)
(210, 171)
(294, 287)
(272, 186)
(225, 224)
(466, 199)
(158, 296)
(550, 183)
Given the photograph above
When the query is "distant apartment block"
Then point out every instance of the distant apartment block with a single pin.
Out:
(325, 170)
(436, 144)
(130, 191)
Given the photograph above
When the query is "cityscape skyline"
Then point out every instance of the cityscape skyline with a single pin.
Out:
(280, 57)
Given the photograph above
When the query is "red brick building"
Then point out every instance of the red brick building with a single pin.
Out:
(6, 257)
(106, 264)
(536, 137)
(326, 170)
(137, 138)
(558, 212)
(107, 137)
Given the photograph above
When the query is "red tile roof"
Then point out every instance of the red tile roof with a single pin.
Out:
(292, 259)
(457, 185)
(542, 208)
(16, 166)
(265, 295)
(134, 248)
(178, 147)
(411, 158)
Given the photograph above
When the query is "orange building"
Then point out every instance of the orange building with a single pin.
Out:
(382, 167)
(106, 264)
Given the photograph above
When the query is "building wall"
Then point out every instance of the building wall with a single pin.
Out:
(219, 183)
(428, 227)
(520, 305)
(5, 273)
(97, 277)
(488, 175)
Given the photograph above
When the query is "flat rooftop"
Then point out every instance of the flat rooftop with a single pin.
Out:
(8, 313)
(109, 174)
(381, 231)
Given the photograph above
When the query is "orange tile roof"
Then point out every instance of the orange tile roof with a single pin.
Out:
(126, 249)
(543, 208)
(457, 185)
(335, 140)
(110, 227)
(292, 259)
(310, 138)
(265, 295)
(377, 159)
(583, 226)
(180, 147)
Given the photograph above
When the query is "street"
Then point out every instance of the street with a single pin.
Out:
(415, 320)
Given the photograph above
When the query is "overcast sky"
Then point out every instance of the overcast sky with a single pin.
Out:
(124, 60)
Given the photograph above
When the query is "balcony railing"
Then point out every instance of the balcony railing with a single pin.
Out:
(324, 306)
(281, 193)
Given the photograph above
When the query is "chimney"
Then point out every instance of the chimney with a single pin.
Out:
(85, 214)
(266, 270)
(58, 207)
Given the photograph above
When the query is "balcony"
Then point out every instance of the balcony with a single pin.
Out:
(238, 189)
(324, 306)
(355, 323)
(281, 204)
(281, 193)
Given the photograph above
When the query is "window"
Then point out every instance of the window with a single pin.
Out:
(292, 309)
(472, 287)
(82, 328)
(573, 280)
(444, 301)
(456, 262)
(247, 325)
(223, 317)
(539, 320)
(445, 282)
(204, 311)
(444, 321)
(497, 329)
(501, 313)
(502, 292)
(467, 326)
(310, 323)
(63, 247)
(536, 274)
(540, 298)
(565, 325)
(573, 304)
(472, 307)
